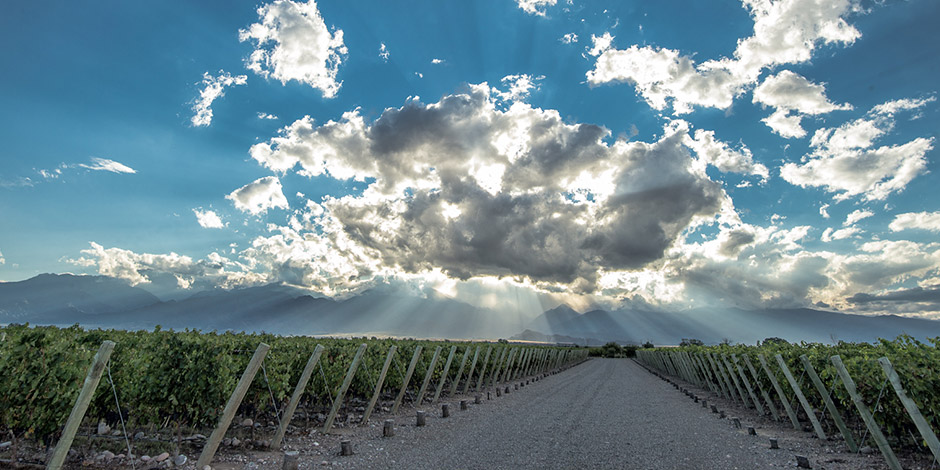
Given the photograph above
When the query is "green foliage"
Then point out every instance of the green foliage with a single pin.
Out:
(915, 362)
(613, 349)
(166, 378)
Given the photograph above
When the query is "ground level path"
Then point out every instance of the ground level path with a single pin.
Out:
(603, 413)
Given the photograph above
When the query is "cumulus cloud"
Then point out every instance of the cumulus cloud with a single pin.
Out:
(266, 116)
(214, 88)
(104, 164)
(720, 155)
(2, 259)
(785, 32)
(208, 219)
(519, 86)
(143, 268)
(470, 189)
(916, 220)
(383, 52)
(789, 92)
(569, 38)
(841, 234)
(535, 7)
(293, 42)
(259, 196)
(857, 215)
(845, 161)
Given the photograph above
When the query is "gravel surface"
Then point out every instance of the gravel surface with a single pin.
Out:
(603, 413)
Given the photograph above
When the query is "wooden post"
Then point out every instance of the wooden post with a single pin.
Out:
(779, 390)
(718, 378)
(486, 361)
(404, 383)
(498, 362)
(427, 376)
(232, 406)
(379, 384)
(802, 398)
(473, 366)
(724, 375)
(873, 427)
(463, 363)
(507, 370)
(833, 411)
(929, 437)
(764, 394)
(747, 385)
(295, 398)
(338, 402)
(98, 364)
(440, 385)
(734, 378)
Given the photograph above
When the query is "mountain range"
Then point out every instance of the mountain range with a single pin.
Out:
(104, 302)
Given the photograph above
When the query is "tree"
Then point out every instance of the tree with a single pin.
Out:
(691, 342)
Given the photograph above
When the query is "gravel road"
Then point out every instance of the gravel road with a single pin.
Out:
(604, 413)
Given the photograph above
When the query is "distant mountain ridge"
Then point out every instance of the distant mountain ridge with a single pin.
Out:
(104, 302)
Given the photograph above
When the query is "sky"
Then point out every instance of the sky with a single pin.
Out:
(507, 153)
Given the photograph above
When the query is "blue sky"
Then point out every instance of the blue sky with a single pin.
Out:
(648, 154)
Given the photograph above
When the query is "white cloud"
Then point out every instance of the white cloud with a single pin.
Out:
(789, 92)
(208, 219)
(214, 88)
(2, 260)
(535, 7)
(916, 220)
(824, 211)
(569, 38)
(267, 116)
(437, 61)
(785, 32)
(259, 196)
(857, 215)
(829, 234)
(104, 164)
(383, 52)
(469, 189)
(292, 42)
(844, 161)
(726, 159)
(519, 87)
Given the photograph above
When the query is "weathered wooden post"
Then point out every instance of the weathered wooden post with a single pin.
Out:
(345, 448)
(98, 364)
(228, 413)
(295, 398)
(420, 420)
(427, 376)
(833, 411)
(486, 361)
(922, 426)
(350, 374)
(473, 366)
(869, 420)
(404, 384)
(388, 430)
(463, 363)
(440, 385)
(291, 460)
(747, 385)
(378, 385)
(445, 410)
(802, 398)
(779, 390)
(767, 400)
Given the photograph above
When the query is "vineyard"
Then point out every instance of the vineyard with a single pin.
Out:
(888, 392)
(181, 381)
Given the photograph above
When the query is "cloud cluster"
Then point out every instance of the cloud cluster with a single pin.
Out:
(929, 221)
(845, 161)
(104, 164)
(785, 32)
(293, 42)
(208, 219)
(214, 88)
(259, 196)
(793, 96)
(535, 7)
